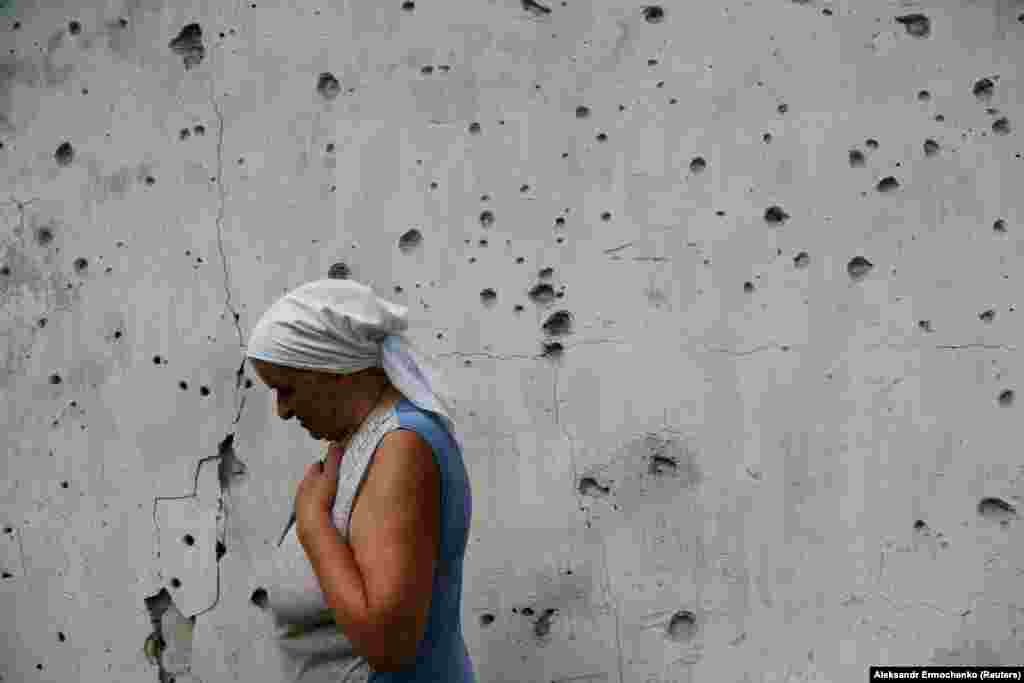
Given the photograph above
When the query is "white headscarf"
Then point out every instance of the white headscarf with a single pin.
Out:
(341, 326)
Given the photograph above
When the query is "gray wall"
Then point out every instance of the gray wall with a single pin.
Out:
(736, 379)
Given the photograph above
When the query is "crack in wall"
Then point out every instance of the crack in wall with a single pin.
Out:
(228, 465)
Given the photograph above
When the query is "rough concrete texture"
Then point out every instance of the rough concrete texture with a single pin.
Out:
(801, 462)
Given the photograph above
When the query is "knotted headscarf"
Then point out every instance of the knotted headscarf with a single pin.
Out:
(341, 326)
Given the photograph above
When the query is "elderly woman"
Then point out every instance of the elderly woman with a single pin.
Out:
(383, 520)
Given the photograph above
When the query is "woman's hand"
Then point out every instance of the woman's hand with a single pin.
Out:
(317, 491)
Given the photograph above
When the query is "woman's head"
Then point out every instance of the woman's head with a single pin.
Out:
(330, 405)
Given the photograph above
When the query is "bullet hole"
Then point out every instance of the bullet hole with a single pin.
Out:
(801, 260)
(871, 143)
(1006, 398)
(887, 184)
(602, 137)
(328, 86)
(175, 582)
(546, 272)
(919, 524)
(858, 267)
(64, 155)
(987, 316)
(486, 619)
(590, 487)
(917, 25)
(582, 112)
(81, 264)
(925, 325)
(189, 45)
(940, 118)
(433, 184)
(338, 271)
(474, 128)
(1001, 126)
(123, 22)
(654, 14)
(44, 236)
(682, 626)
(150, 180)
(410, 240)
(426, 70)
(189, 540)
(535, 8)
(659, 465)
(524, 188)
(542, 293)
(931, 148)
(996, 509)
(856, 158)
(221, 550)
(560, 221)
(486, 218)
(983, 89)
(697, 165)
(782, 108)
(184, 134)
(543, 625)
(775, 215)
(999, 225)
(183, 385)
(748, 287)
(74, 27)
(527, 611)
(488, 295)
(767, 137)
(923, 95)
(606, 215)
(330, 148)
(42, 323)
(549, 349)
(558, 323)
(60, 636)
(199, 129)
(204, 391)
(259, 598)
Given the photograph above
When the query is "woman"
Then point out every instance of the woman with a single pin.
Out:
(369, 581)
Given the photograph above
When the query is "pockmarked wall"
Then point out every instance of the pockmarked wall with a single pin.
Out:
(727, 292)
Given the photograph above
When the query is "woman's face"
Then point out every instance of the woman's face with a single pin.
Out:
(292, 387)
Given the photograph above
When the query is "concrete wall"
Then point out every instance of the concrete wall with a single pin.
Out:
(727, 292)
